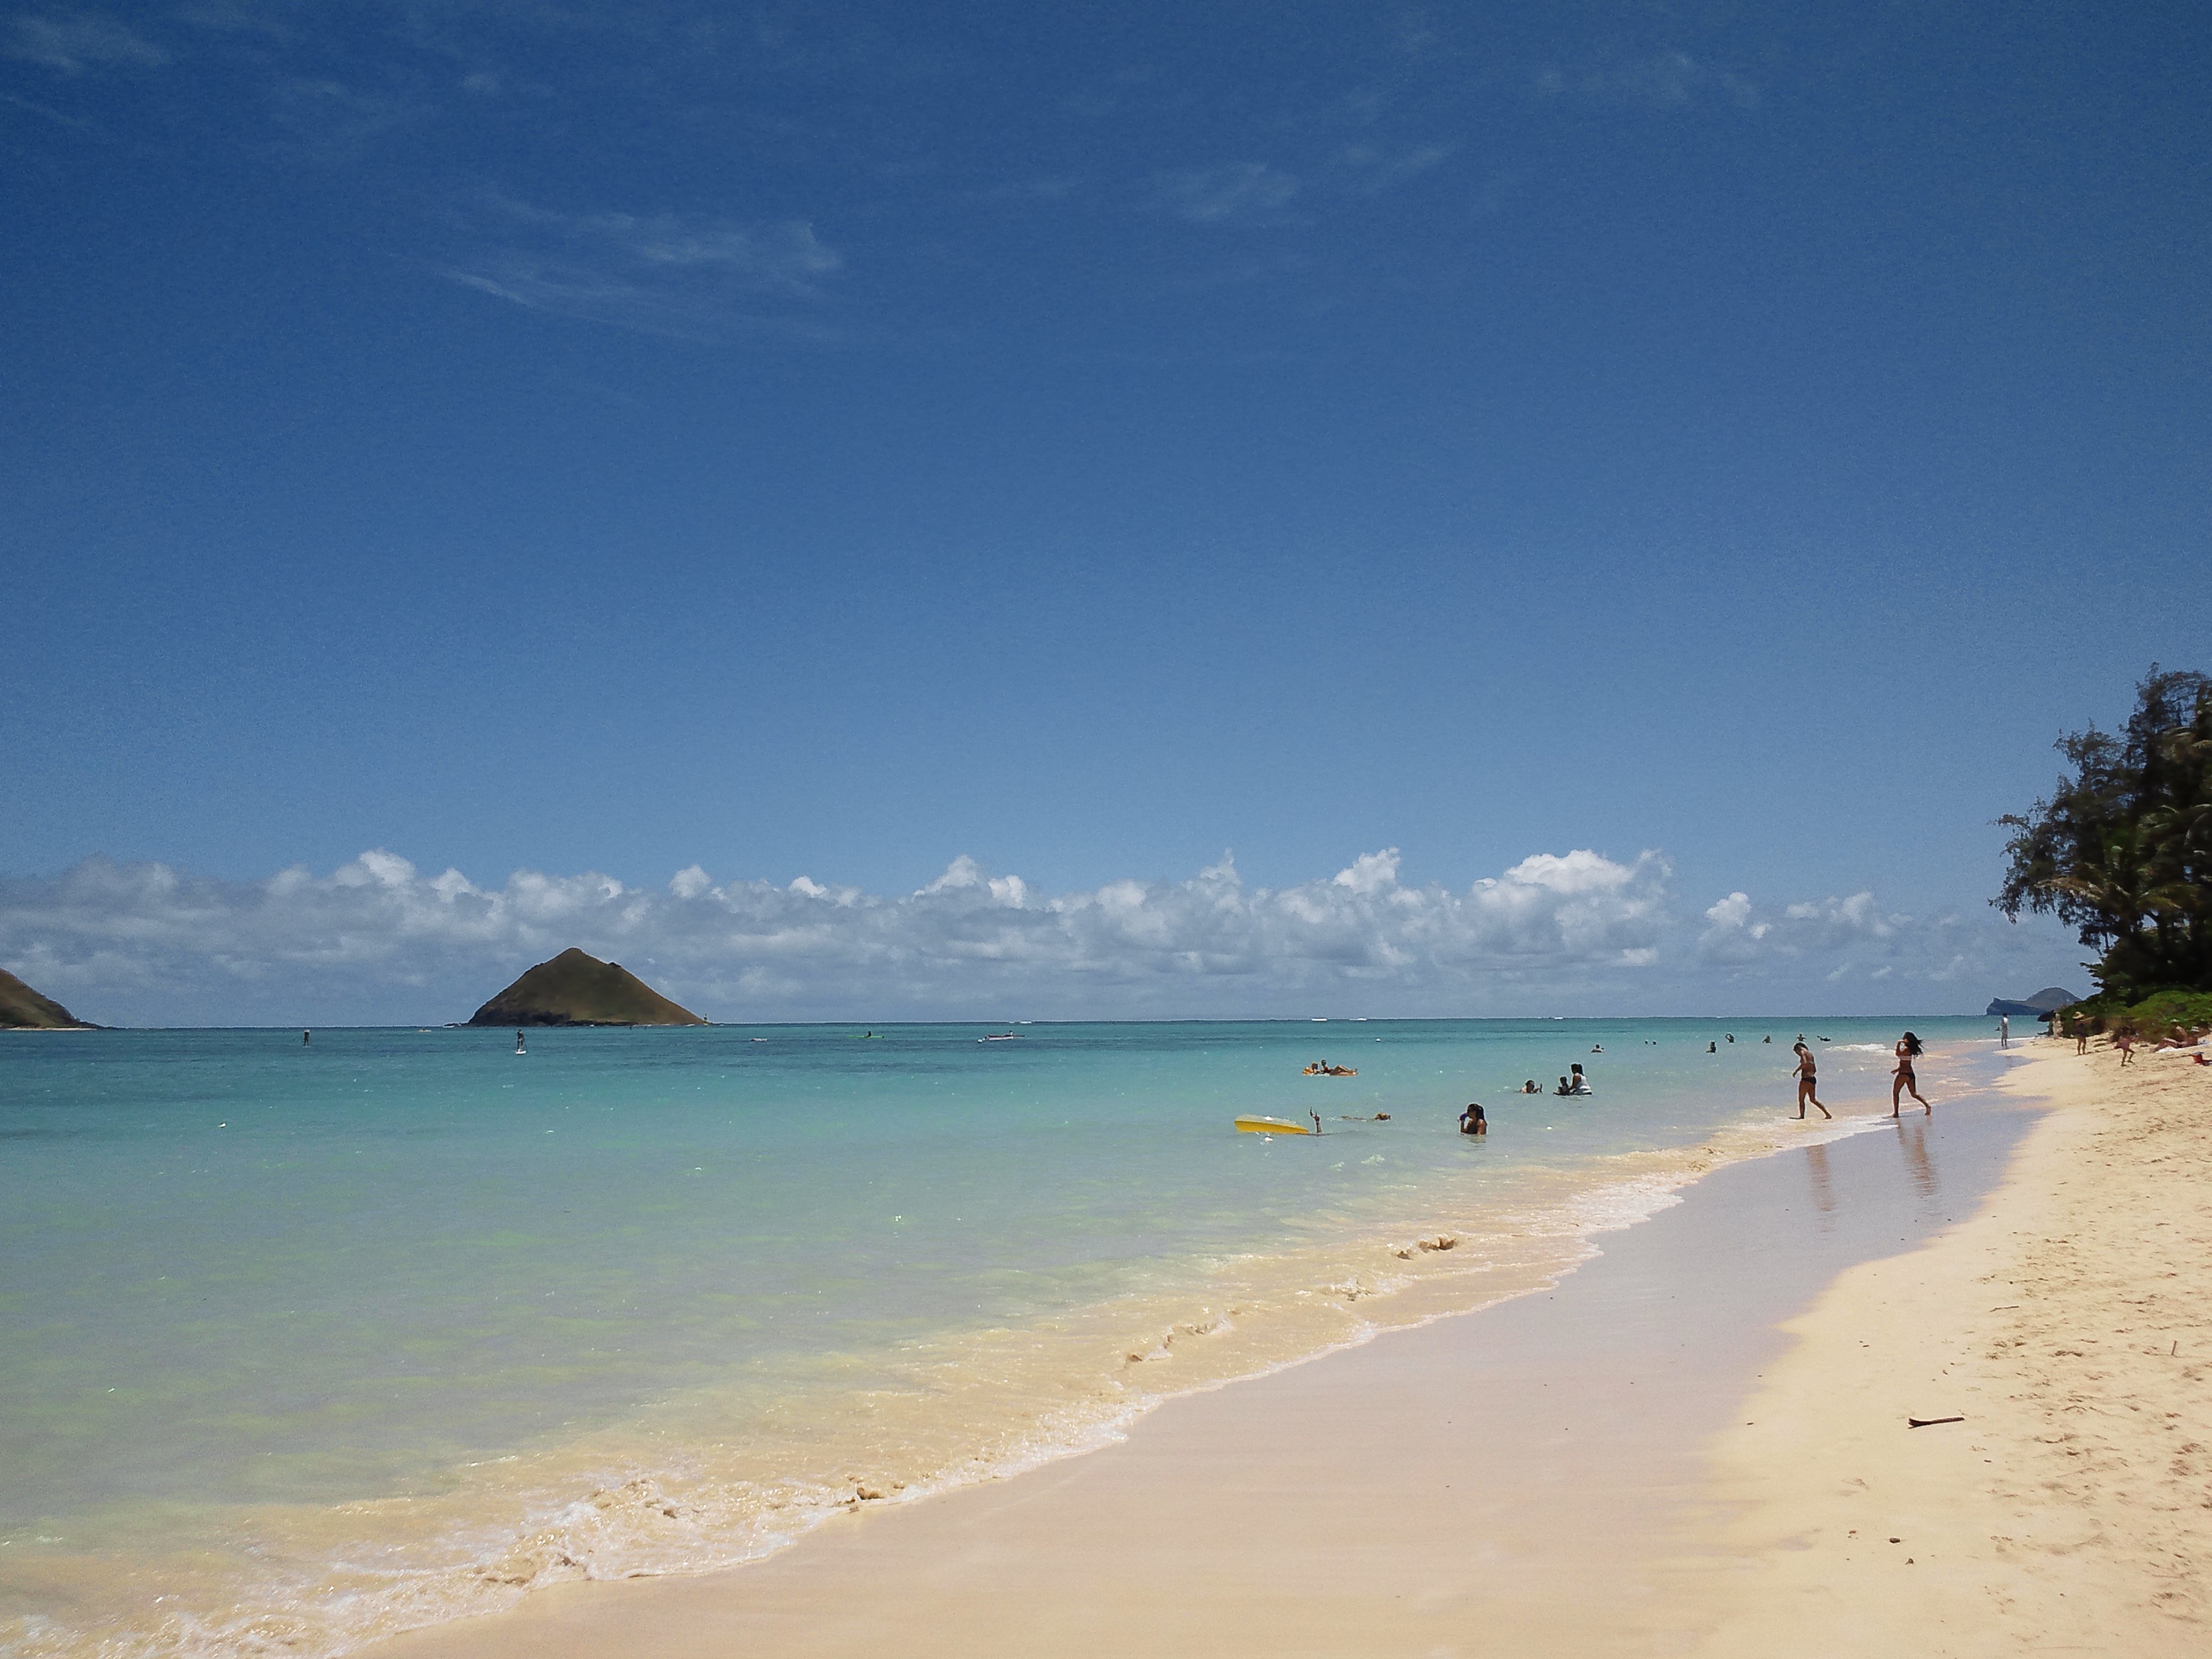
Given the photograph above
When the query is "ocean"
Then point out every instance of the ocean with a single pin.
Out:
(304, 1343)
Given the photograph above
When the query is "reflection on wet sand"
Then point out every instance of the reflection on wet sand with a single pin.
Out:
(1823, 1185)
(1914, 1139)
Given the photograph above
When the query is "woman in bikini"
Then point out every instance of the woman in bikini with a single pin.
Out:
(1808, 1081)
(1908, 1050)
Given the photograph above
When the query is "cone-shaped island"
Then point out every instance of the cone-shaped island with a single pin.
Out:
(578, 990)
(22, 1009)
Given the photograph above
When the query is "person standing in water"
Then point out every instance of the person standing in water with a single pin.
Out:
(519, 1049)
(1471, 1121)
(1808, 1084)
(1908, 1050)
(307, 1039)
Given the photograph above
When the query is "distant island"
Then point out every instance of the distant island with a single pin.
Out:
(22, 1009)
(2048, 1000)
(576, 989)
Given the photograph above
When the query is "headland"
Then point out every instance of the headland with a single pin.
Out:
(22, 1009)
(576, 989)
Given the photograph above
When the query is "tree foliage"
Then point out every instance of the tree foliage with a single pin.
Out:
(2122, 850)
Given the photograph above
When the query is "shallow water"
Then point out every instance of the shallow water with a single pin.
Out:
(305, 1344)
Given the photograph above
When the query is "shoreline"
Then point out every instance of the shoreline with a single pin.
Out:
(707, 1478)
(1230, 1506)
(2069, 1323)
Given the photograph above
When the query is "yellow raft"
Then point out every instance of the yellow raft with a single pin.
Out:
(1271, 1126)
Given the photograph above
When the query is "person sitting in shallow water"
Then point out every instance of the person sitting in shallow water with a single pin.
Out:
(1577, 1084)
(1471, 1121)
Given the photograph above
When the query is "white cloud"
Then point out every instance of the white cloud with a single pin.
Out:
(376, 939)
(1370, 171)
(1669, 78)
(72, 42)
(1241, 191)
(687, 274)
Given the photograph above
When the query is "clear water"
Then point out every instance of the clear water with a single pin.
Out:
(302, 1344)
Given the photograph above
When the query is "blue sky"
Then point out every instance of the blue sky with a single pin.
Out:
(834, 441)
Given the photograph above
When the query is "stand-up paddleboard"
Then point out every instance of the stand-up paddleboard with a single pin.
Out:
(1270, 1126)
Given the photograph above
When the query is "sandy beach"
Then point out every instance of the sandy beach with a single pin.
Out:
(1697, 1444)
(2069, 1323)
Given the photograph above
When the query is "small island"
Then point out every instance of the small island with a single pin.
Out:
(577, 988)
(22, 1009)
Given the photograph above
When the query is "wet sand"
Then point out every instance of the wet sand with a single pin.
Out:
(1535, 1478)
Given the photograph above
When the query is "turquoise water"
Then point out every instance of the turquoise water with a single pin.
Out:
(314, 1342)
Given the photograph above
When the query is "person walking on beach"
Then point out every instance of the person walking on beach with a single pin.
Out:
(1908, 1050)
(1808, 1085)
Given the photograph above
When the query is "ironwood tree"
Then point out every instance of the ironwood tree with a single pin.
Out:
(2122, 850)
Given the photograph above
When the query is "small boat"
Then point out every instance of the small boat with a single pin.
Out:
(1001, 1037)
(1252, 1124)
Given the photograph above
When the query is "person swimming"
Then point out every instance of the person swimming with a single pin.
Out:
(1471, 1121)
(1530, 1088)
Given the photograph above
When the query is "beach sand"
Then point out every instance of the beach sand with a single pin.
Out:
(1697, 1444)
(2069, 1322)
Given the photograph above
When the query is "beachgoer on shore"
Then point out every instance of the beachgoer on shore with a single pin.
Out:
(1908, 1050)
(1807, 1086)
(1471, 1121)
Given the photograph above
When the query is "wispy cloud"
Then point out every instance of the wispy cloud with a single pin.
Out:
(679, 274)
(71, 43)
(1370, 171)
(1668, 79)
(145, 942)
(1241, 192)
(332, 119)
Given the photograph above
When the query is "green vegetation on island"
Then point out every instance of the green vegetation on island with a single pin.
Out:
(22, 1009)
(575, 989)
(2122, 852)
